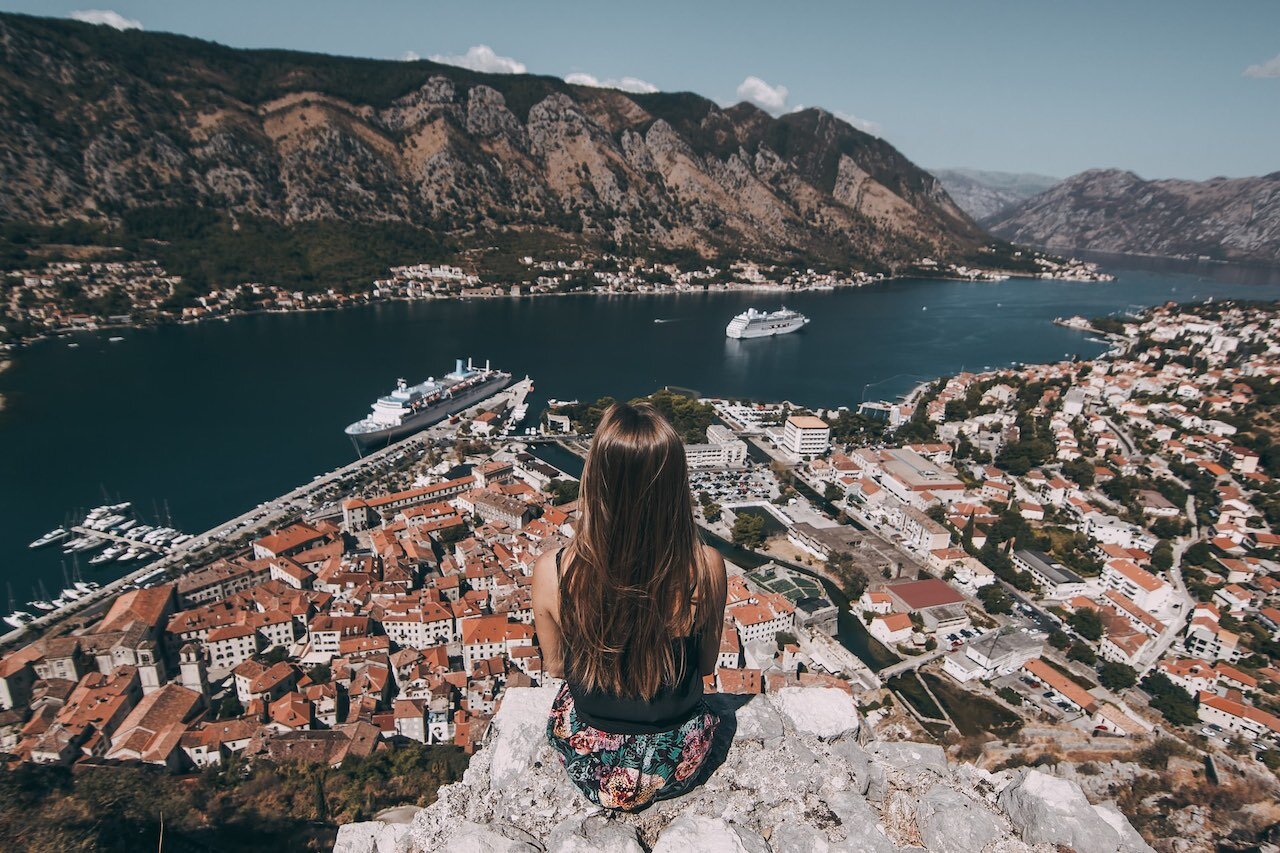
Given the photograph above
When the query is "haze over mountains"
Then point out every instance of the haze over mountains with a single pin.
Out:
(129, 127)
(983, 194)
(1109, 210)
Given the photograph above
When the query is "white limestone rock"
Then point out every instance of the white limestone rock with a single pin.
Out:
(1130, 839)
(594, 834)
(1049, 810)
(370, 837)
(782, 786)
(519, 732)
(708, 835)
(826, 712)
(950, 822)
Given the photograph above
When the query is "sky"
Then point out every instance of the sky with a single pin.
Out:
(1167, 88)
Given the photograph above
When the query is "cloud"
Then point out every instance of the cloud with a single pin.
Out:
(1270, 68)
(626, 84)
(865, 125)
(410, 56)
(481, 57)
(106, 17)
(771, 99)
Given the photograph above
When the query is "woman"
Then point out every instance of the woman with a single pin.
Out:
(629, 613)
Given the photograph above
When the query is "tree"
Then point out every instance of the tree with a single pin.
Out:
(1079, 470)
(1059, 639)
(1087, 622)
(1117, 676)
(832, 492)
(1082, 653)
(562, 491)
(748, 530)
(995, 599)
(1175, 704)
(1162, 556)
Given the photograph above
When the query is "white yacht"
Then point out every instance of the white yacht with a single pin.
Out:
(762, 324)
(50, 537)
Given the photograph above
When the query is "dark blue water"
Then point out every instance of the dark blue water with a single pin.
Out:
(214, 418)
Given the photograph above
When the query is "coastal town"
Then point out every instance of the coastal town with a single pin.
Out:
(1076, 558)
(65, 296)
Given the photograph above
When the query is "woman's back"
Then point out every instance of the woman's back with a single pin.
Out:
(674, 702)
(631, 614)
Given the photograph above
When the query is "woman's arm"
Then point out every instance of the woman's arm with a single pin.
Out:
(546, 613)
(713, 627)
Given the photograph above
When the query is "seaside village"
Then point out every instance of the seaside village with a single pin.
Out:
(1083, 550)
(64, 296)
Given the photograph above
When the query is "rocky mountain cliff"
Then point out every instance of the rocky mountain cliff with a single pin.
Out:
(984, 194)
(98, 124)
(793, 779)
(1106, 210)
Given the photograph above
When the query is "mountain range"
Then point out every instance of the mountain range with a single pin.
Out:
(159, 137)
(1108, 210)
(983, 194)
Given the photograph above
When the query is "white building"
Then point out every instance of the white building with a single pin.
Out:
(805, 435)
(1135, 583)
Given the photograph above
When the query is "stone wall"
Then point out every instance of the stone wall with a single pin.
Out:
(793, 778)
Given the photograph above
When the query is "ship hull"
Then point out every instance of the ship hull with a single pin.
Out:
(763, 332)
(429, 416)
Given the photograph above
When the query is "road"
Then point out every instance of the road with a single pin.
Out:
(1173, 629)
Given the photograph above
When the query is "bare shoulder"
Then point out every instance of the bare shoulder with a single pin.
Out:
(714, 566)
(546, 580)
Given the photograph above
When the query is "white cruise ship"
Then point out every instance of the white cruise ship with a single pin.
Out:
(760, 324)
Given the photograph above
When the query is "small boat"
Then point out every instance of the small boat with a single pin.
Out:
(132, 554)
(86, 586)
(71, 594)
(73, 346)
(115, 339)
(49, 538)
(58, 603)
(43, 605)
(18, 618)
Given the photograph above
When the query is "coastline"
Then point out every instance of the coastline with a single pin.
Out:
(662, 290)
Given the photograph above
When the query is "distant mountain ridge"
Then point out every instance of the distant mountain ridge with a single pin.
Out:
(1109, 210)
(112, 126)
(983, 194)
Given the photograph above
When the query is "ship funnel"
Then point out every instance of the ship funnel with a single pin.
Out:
(470, 366)
(457, 368)
(486, 365)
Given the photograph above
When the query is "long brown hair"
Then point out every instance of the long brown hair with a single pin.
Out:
(632, 574)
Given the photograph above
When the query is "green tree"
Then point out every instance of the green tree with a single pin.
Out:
(1082, 653)
(1087, 622)
(1175, 704)
(995, 599)
(832, 492)
(1117, 676)
(1162, 556)
(748, 530)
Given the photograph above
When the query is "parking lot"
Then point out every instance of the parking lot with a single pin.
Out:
(727, 487)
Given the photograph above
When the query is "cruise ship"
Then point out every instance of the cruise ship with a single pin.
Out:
(760, 324)
(410, 408)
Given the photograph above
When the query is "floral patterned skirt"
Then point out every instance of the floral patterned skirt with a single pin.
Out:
(629, 771)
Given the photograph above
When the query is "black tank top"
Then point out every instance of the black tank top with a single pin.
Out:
(669, 708)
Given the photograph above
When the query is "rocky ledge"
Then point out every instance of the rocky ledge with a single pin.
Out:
(791, 775)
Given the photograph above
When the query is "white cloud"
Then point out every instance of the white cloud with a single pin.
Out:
(771, 99)
(481, 57)
(865, 125)
(626, 84)
(1270, 68)
(410, 56)
(106, 17)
